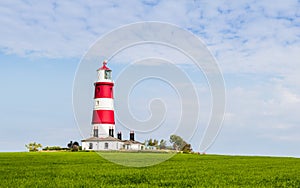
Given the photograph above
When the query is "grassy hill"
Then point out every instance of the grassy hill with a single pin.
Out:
(88, 169)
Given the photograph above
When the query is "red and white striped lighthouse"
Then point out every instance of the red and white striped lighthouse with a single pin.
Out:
(103, 114)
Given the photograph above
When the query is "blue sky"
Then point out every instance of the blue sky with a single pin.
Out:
(256, 44)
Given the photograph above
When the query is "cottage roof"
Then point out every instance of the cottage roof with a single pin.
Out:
(109, 138)
(129, 142)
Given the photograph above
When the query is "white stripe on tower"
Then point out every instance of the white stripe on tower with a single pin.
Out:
(104, 104)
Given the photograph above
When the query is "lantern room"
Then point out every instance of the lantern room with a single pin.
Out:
(104, 73)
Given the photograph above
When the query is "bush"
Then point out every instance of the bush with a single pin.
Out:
(33, 146)
(52, 148)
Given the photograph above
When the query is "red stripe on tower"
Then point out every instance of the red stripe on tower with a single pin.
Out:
(104, 90)
(103, 114)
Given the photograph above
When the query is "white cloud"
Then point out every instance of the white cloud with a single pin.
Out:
(267, 108)
(284, 138)
(66, 29)
(62, 29)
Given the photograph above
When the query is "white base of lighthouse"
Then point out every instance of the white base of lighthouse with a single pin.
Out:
(103, 130)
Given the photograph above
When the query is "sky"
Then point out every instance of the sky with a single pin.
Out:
(255, 43)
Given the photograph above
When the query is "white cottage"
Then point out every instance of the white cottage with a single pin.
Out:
(107, 143)
(111, 143)
(133, 145)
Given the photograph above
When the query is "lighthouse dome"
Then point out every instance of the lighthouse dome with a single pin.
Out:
(104, 67)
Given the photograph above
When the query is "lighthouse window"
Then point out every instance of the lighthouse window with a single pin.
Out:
(107, 74)
(106, 145)
(91, 146)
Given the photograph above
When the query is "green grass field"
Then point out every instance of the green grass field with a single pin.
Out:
(88, 169)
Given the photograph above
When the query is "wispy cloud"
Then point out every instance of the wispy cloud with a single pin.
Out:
(66, 29)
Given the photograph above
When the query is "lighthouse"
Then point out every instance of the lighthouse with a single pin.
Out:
(103, 119)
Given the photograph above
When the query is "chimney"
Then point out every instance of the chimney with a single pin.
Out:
(119, 135)
(131, 136)
(96, 131)
(111, 132)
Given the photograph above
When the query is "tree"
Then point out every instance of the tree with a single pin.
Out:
(187, 148)
(177, 142)
(73, 146)
(180, 144)
(162, 144)
(155, 142)
(33, 146)
(150, 142)
(70, 144)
